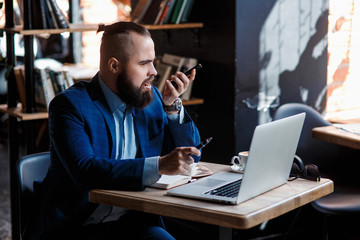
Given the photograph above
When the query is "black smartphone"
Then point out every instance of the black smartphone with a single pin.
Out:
(197, 67)
(188, 73)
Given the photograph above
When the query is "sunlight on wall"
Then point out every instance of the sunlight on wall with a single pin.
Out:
(343, 93)
(291, 47)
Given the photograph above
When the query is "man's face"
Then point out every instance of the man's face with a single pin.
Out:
(135, 80)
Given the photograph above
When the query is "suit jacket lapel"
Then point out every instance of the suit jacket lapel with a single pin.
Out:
(99, 101)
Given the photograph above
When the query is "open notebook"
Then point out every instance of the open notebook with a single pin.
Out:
(170, 181)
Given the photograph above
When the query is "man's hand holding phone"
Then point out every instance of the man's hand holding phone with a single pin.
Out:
(188, 73)
(178, 84)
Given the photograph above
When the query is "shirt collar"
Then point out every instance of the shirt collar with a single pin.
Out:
(113, 100)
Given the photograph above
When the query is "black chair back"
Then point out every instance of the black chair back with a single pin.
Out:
(31, 168)
(333, 160)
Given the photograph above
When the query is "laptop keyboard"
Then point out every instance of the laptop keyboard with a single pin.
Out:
(228, 190)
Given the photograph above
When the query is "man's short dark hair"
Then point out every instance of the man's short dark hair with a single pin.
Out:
(123, 27)
(116, 40)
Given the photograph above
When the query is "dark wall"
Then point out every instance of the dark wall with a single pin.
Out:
(250, 17)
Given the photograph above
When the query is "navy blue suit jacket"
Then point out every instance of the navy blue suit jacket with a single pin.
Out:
(82, 138)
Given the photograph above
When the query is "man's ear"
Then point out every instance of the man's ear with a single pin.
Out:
(114, 65)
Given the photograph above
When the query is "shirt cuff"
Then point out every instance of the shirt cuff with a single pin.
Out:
(177, 118)
(151, 171)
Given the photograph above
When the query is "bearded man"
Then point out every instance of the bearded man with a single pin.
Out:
(116, 132)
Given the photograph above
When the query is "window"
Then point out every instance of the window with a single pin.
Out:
(343, 74)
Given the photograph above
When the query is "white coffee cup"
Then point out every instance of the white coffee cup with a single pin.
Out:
(239, 162)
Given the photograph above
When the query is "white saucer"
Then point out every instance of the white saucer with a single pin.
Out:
(235, 168)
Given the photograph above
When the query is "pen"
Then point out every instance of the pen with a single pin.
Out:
(204, 143)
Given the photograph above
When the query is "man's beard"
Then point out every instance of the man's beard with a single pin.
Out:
(132, 95)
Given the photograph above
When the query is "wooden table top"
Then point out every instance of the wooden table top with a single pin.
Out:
(335, 135)
(242, 216)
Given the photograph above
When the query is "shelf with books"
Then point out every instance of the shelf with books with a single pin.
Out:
(162, 11)
(93, 27)
(50, 78)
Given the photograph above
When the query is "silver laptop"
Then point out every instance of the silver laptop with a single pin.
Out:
(271, 155)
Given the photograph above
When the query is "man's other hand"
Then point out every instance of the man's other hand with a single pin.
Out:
(178, 161)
